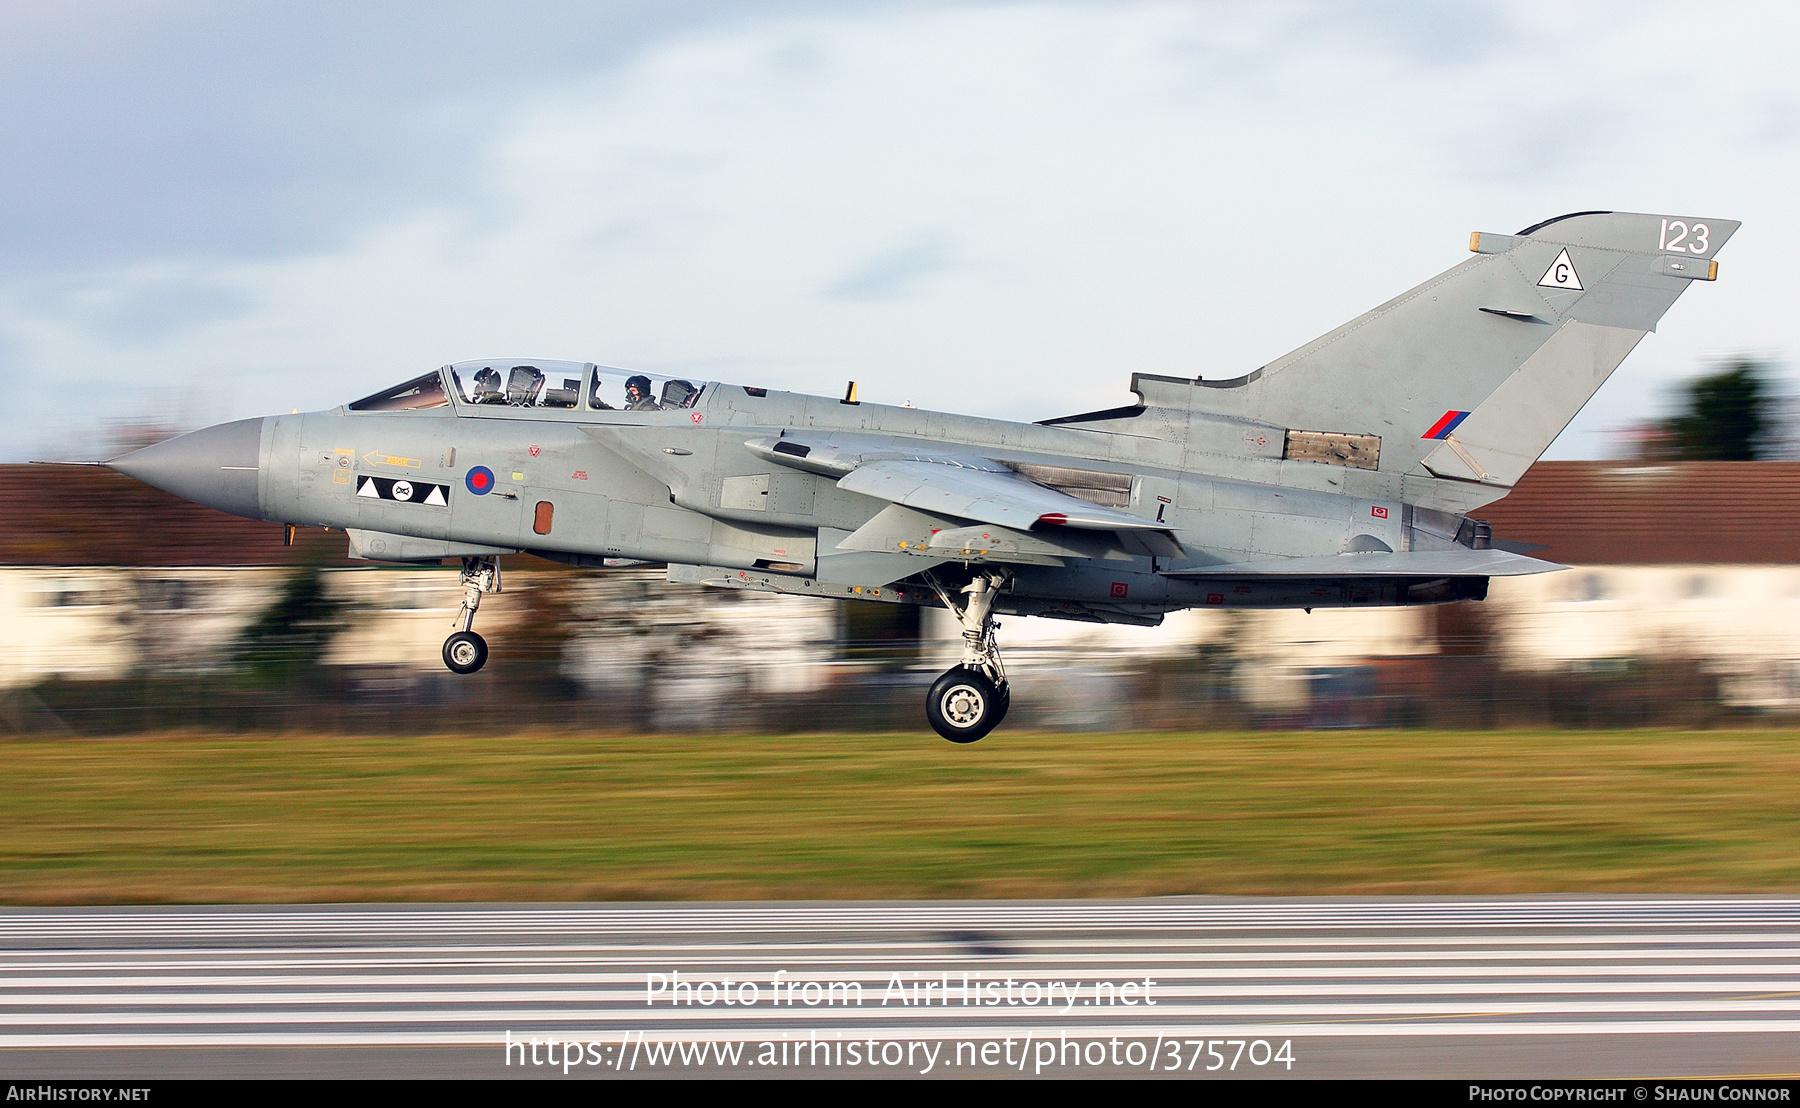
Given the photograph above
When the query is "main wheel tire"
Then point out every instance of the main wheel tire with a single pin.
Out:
(1005, 697)
(465, 652)
(964, 705)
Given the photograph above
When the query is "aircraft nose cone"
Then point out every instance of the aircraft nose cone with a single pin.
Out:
(214, 466)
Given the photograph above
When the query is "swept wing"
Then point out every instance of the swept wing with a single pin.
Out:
(962, 486)
(1002, 498)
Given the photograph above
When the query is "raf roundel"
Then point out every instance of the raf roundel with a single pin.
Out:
(480, 480)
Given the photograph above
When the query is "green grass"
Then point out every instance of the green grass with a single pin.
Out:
(210, 818)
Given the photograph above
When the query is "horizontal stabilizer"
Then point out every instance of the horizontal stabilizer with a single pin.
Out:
(1417, 563)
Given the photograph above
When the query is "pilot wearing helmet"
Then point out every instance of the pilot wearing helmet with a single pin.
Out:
(488, 389)
(637, 395)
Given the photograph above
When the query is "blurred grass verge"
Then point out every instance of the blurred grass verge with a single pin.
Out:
(208, 818)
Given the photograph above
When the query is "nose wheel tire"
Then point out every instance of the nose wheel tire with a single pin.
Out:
(964, 705)
(465, 652)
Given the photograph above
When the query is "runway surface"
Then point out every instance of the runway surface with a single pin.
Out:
(1406, 987)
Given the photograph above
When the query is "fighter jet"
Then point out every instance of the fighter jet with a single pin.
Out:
(1339, 475)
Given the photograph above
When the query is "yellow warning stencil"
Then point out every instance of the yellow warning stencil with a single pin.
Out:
(377, 458)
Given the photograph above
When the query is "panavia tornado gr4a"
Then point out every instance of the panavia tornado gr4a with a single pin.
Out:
(1340, 475)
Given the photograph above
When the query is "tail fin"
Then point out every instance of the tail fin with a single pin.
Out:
(1469, 377)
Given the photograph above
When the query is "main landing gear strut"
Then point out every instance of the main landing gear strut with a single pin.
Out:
(464, 650)
(971, 699)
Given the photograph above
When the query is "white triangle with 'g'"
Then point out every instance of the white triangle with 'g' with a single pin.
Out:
(367, 488)
(1561, 274)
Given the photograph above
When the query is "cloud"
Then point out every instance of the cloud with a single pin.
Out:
(131, 309)
(998, 208)
(896, 272)
(258, 128)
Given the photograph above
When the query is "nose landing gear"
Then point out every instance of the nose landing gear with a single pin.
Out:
(971, 699)
(464, 650)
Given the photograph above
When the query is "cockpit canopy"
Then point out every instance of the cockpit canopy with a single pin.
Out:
(420, 392)
(639, 392)
(537, 384)
(517, 384)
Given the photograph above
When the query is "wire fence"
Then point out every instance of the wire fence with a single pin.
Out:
(1203, 692)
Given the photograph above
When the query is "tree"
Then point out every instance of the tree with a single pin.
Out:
(1726, 417)
(289, 640)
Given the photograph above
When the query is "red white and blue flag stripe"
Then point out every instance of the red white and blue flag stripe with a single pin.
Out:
(1442, 428)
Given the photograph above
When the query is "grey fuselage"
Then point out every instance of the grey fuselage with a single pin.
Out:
(683, 487)
(1336, 475)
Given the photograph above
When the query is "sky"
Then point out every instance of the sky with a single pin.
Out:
(217, 210)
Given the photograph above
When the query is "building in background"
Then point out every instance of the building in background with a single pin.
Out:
(1686, 581)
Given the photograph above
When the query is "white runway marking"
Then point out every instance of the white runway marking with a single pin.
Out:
(1265, 969)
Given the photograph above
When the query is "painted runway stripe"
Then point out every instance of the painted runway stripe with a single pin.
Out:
(1701, 945)
(1167, 989)
(1312, 915)
(515, 1017)
(1685, 939)
(1298, 1031)
(1007, 969)
(1284, 968)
